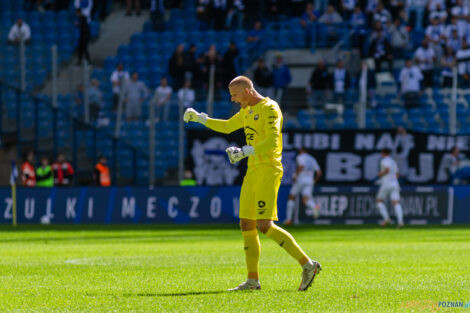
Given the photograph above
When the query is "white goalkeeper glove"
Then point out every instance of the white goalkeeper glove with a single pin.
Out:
(235, 154)
(191, 115)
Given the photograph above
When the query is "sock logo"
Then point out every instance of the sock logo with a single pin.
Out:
(282, 243)
(246, 248)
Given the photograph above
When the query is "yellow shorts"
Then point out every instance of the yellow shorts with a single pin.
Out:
(258, 197)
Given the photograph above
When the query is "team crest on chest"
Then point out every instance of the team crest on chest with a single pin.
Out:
(256, 117)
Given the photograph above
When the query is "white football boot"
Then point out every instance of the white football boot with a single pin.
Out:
(247, 285)
(311, 269)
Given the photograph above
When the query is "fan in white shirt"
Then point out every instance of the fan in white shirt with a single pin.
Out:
(19, 31)
(186, 95)
(162, 99)
(389, 188)
(308, 172)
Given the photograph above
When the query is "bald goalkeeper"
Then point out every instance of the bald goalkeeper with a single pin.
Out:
(261, 120)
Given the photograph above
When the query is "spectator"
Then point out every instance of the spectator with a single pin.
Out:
(456, 166)
(186, 95)
(119, 77)
(381, 50)
(19, 31)
(319, 85)
(436, 35)
(410, 79)
(28, 173)
(85, 7)
(255, 35)
(307, 20)
(162, 98)
(400, 39)
(341, 80)
(101, 175)
(455, 25)
(447, 64)
(136, 7)
(176, 66)
(396, 6)
(83, 38)
(434, 4)
(263, 79)
(203, 13)
(219, 12)
(463, 64)
(358, 22)
(439, 14)
(329, 18)
(191, 65)
(212, 58)
(461, 13)
(282, 77)
(63, 171)
(454, 42)
(347, 8)
(44, 176)
(188, 179)
(157, 15)
(229, 62)
(95, 99)
(382, 15)
(135, 92)
(425, 57)
(236, 10)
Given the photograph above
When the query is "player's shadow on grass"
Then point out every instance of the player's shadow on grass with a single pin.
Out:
(176, 294)
(191, 293)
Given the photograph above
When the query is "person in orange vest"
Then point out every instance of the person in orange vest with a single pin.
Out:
(63, 171)
(101, 174)
(28, 173)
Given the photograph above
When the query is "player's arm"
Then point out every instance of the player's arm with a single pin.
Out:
(221, 126)
(272, 124)
(384, 172)
(318, 174)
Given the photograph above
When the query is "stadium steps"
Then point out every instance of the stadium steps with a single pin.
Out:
(109, 40)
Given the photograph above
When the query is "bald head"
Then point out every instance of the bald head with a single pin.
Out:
(242, 91)
(241, 81)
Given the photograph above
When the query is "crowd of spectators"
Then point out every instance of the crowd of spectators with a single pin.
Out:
(59, 174)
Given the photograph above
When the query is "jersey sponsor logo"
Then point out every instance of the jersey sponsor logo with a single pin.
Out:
(256, 117)
(261, 204)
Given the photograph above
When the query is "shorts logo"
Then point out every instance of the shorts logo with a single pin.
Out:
(256, 117)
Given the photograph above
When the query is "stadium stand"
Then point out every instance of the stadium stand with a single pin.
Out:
(148, 53)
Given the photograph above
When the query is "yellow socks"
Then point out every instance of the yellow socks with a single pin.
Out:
(285, 240)
(252, 251)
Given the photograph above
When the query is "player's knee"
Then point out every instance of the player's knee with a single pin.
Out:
(305, 199)
(246, 225)
(291, 197)
(395, 202)
(378, 200)
(264, 225)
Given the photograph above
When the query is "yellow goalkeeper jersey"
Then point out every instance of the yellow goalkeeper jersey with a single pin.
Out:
(262, 124)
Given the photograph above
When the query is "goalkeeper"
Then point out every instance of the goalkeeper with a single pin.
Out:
(261, 120)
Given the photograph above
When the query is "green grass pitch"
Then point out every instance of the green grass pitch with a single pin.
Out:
(155, 268)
